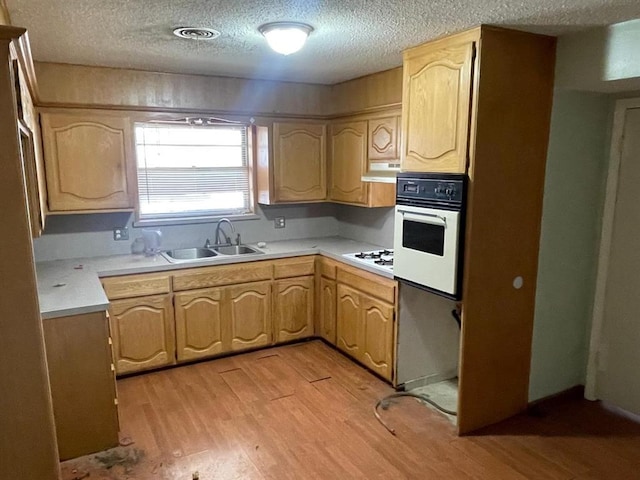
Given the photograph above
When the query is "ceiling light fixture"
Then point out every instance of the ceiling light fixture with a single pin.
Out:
(286, 37)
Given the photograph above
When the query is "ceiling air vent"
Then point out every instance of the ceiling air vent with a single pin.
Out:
(196, 33)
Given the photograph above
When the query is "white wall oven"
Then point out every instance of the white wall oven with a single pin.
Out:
(429, 231)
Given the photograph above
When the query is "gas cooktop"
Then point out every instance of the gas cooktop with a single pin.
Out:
(376, 258)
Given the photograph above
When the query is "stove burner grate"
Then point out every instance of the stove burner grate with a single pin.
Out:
(368, 255)
(384, 262)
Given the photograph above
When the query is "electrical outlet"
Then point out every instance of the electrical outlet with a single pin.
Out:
(278, 222)
(121, 233)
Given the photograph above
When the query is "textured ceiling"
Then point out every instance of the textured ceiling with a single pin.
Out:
(351, 37)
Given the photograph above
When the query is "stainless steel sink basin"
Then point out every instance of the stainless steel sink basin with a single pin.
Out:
(186, 254)
(236, 250)
(180, 255)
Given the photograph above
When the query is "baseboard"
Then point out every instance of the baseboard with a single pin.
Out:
(536, 407)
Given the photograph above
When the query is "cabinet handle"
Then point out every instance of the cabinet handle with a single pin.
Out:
(115, 401)
(113, 367)
(421, 214)
(110, 341)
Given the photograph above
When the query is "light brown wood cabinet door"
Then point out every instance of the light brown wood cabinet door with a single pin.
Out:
(377, 347)
(199, 317)
(249, 315)
(299, 171)
(349, 321)
(383, 139)
(327, 314)
(348, 162)
(436, 108)
(293, 308)
(142, 330)
(89, 161)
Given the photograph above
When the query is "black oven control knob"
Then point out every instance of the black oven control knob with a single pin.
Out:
(449, 191)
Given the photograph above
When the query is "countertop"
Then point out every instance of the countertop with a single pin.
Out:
(72, 287)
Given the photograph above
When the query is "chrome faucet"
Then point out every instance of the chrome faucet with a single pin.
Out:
(219, 230)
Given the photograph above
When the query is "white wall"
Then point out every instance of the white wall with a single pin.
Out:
(372, 225)
(73, 236)
(571, 220)
(600, 59)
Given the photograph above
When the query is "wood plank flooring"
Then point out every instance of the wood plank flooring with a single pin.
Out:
(306, 412)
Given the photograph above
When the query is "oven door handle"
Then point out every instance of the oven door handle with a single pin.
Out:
(406, 213)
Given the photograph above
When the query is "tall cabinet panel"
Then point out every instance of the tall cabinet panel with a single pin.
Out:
(436, 108)
(83, 388)
(89, 161)
(487, 115)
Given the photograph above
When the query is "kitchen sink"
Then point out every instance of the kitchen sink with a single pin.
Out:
(180, 255)
(236, 250)
(183, 254)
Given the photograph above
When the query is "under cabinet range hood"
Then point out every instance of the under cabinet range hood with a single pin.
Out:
(382, 172)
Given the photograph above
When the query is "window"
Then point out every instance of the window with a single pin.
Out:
(187, 171)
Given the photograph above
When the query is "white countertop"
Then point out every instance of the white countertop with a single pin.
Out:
(72, 287)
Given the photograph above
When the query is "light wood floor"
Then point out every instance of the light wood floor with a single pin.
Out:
(306, 412)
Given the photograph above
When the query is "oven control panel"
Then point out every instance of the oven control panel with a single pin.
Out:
(431, 188)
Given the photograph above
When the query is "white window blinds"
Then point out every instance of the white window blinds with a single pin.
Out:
(192, 171)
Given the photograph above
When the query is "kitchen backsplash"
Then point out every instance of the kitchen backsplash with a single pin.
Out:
(373, 225)
(73, 236)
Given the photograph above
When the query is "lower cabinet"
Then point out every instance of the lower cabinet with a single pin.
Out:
(249, 315)
(327, 306)
(143, 335)
(365, 329)
(377, 337)
(222, 319)
(199, 318)
(83, 387)
(218, 310)
(349, 321)
(293, 308)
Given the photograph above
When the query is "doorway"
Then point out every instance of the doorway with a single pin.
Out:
(614, 354)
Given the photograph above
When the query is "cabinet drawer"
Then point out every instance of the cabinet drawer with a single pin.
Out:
(221, 275)
(375, 285)
(136, 286)
(294, 267)
(327, 267)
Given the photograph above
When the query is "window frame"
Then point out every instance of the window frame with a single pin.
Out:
(197, 219)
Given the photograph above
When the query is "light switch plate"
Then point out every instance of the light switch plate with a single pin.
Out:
(279, 222)
(121, 233)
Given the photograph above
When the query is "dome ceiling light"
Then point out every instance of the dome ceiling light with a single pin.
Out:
(286, 37)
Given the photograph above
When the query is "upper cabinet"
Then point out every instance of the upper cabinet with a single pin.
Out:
(299, 162)
(349, 149)
(89, 161)
(436, 103)
(29, 132)
(295, 172)
(348, 157)
(383, 139)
